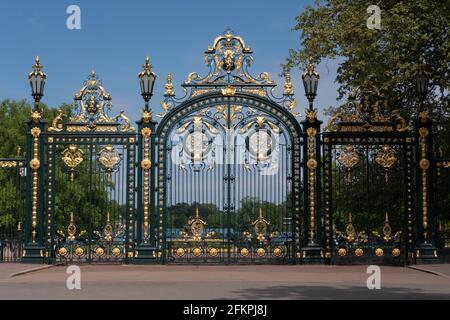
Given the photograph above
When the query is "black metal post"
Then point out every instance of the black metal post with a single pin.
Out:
(426, 251)
(146, 248)
(313, 251)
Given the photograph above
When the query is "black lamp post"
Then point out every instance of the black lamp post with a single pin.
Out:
(422, 81)
(147, 80)
(310, 81)
(37, 81)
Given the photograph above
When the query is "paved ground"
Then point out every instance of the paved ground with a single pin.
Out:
(223, 282)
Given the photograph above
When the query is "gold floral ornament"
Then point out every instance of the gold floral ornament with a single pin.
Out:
(396, 252)
(379, 252)
(35, 164)
(342, 252)
(109, 159)
(99, 251)
(62, 252)
(261, 252)
(79, 251)
(180, 252)
(386, 158)
(116, 252)
(348, 158)
(213, 252)
(260, 226)
(244, 252)
(146, 132)
(197, 252)
(72, 157)
(277, 252)
(146, 116)
(359, 252)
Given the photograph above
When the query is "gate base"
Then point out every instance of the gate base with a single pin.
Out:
(33, 254)
(145, 255)
(426, 253)
(313, 255)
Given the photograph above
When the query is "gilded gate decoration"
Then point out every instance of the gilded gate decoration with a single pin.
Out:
(365, 144)
(88, 178)
(229, 173)
(229, 158)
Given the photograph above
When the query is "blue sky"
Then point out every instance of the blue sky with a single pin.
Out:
(116, 36)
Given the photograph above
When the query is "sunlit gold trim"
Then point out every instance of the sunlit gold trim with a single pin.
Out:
(229, 91)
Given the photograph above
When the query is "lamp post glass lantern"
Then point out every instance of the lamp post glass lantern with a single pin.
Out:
(147, 80)
(37, 82)
(422, 80)
(310, 81)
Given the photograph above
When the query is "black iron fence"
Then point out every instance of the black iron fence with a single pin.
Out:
(12, 174)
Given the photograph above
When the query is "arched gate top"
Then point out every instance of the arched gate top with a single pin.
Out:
(229, 81)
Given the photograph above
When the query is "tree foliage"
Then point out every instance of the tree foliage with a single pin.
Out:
(412, 32)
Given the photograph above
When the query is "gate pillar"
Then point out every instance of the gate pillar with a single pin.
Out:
(313, 251)
(146, 249)
(426, 251)
(34, 249)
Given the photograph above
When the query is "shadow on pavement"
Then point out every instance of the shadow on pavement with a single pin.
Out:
(327, 292)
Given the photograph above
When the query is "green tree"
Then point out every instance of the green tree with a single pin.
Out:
(411, 32)
(70, 196)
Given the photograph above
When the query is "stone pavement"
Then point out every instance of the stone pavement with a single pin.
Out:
(224, 282)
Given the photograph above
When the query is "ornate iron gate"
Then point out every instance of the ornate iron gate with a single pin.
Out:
(12, 173)
(368, 159)
(229, 175)
(88, 164)
(229, 166)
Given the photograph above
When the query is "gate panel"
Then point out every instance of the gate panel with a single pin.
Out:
(368, 185)
(91, 205)
(229, 167)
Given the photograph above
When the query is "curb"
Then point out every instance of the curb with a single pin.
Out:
(31, 270)
(436, 273)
